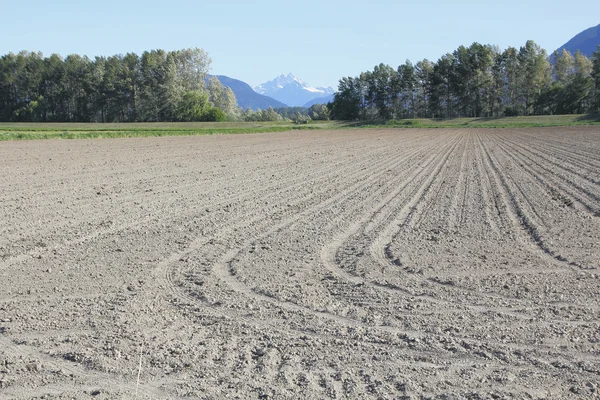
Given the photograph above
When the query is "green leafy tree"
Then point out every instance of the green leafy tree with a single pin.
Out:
(291, 113)
(319, 112)
(128, 90)
(441, 96)
(511, 68)
(162, 88)
(383, 86)
(215, 114)
(423, 74)
(579, 90)
(194, 106)
(191, 68)
(347, 100)
(20, 84)
(261, 115)
(473, 80)
(595, 77)
(497, 85)
(78, 88)
(52, 86)
(407, 82)
(223, 98)
(535, 74)
(563, 67)
(270, 115)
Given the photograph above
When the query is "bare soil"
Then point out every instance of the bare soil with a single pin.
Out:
(382, 264)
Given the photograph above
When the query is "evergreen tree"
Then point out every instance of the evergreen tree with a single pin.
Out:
(595, 75)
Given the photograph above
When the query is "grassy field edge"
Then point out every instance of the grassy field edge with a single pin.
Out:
(31, 131)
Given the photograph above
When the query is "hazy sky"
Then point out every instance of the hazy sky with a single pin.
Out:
(319, 41)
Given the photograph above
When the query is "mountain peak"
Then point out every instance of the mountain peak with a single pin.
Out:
(586, 42)
(291, 90)
(246, 97)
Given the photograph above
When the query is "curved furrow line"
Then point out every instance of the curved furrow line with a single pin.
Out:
(462, 196)
(520, 217)
(362, 180)
(402, 214)
(493, 215)
(328, 259)
(486, 309)
(405, 334)
(486, 178)
(223, 270)
(564, 162)
(577, 142)
(441, 188)
(198, 243)
(588, 199)
(328, 255)
(382, 213)
(503, 310)
(585, 157)
(166, 266)
(379, 249)
(534, 218)
(202, 241)
(566, 243)
(239, 303)
(239, 195)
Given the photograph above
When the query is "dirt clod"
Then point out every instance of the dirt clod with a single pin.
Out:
(360, 264)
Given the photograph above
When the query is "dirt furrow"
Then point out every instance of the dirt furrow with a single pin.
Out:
(566, 188)
(530, 206)
(382, 263)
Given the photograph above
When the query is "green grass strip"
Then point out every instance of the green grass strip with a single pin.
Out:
(133, 133)
(31, 131)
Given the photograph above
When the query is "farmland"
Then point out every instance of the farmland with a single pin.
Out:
(346, 263)
(70, 130)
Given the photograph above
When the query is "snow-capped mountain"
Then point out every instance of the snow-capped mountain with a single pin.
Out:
(246, 97)
(291, 90)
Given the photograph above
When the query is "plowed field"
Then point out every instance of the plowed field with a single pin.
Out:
(357, 264)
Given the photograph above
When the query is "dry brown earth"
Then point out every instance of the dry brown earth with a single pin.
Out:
(357, 264)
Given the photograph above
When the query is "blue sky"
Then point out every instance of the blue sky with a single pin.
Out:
(319, 41)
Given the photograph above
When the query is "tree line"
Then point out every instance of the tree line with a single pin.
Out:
(156, 86)
(475, 81)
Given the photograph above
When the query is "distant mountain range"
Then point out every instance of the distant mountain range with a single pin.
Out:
(283, 91)
(586, 42)
(320, 100)
(292, 91)
(246, 97)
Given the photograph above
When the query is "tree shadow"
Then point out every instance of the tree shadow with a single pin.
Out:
(359, 123)
(589, 118)
(485, 119)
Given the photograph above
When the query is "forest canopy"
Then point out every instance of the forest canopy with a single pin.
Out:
(156, 86)
(475, 81)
